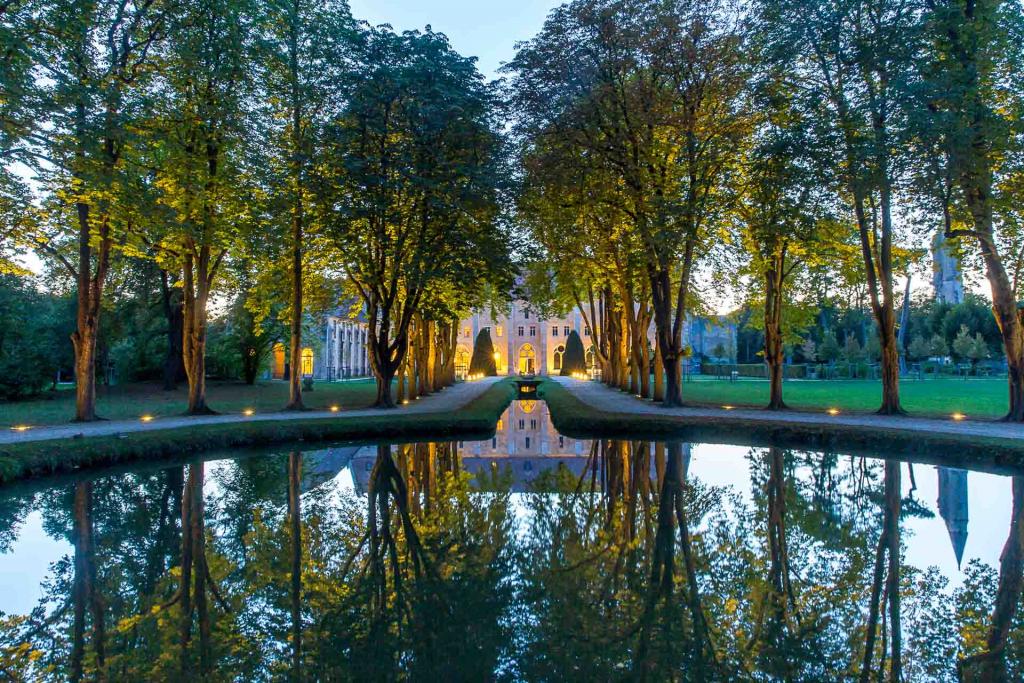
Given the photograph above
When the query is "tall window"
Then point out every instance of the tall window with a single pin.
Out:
(566, 330)
(586, 330)
(533, 330)
(559, 353)
(466, 331)
(520, 330)
(307, 362)
(526, 315)
(499, 330)
(554, 330)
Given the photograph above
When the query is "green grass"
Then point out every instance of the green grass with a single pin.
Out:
(976, 398)
(129, 401)
(475, 420)
(573, 418)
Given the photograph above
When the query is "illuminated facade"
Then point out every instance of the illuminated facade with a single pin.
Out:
(527, 345)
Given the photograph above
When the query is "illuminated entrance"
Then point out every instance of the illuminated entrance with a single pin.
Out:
(527, 360)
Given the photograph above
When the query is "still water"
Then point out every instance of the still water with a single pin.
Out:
(529, 556)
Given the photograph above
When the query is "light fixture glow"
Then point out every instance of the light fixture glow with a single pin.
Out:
(146, 418)
(20, 428)
(958, 416)
(833, 411)
(335, 409)
(248, 412)
(727, 407)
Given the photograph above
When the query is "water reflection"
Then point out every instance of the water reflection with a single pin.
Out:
(527, 557)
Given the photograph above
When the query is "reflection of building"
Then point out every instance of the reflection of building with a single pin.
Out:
(342, 351)
(321, 466)
(524, 430)
(953, 507)
(526, 344)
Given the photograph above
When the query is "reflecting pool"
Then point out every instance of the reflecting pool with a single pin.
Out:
(530, 556)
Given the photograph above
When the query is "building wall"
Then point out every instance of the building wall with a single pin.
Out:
(511, 333)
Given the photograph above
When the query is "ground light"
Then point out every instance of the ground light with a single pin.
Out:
(335, 409)
(958, 416)
(146, 418)
(248, 412)
(833, 411)
(20, 428)
(727, 407)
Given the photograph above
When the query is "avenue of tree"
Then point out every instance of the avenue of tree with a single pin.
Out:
(278, 159)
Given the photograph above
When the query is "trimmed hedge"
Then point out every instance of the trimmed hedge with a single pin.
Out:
(35, 458)
(574, 418)
(482, 362)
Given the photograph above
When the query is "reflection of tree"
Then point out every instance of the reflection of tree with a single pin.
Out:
(85, 595)
(885, 586)
(991, 664)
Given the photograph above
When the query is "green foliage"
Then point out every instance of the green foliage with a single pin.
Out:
(829, 351)
(574, 359)
(918, 349)
(937, 346)
(968, 347)
(28, 345)
(482, 362)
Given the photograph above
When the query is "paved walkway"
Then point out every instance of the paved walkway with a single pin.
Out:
(450, 399)
(597, 395)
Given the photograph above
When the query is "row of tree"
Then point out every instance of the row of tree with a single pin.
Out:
(278, 151)
(791, 149)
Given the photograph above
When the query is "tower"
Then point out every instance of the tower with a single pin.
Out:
(946, 278)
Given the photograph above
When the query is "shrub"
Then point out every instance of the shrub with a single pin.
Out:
(482, 362)
(575, 358)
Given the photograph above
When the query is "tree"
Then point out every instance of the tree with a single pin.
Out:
(829, 351)
(197, 137)
(28, 353)
(409, 193)
(918, 349)
(810, 350)
(574, 360)
(937, 346)
(482, 361)
(308, 46)
(93, 60)
(969, 116)
(853, 61)
(647, 95)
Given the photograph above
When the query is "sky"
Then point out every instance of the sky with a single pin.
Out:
(486, 29)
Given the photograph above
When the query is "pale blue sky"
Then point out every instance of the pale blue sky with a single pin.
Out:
(486, 29)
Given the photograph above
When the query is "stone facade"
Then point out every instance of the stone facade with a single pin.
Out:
(947, 281)
(525, 344)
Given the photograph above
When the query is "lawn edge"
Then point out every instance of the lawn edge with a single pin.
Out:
(575, 418)
(478, 418)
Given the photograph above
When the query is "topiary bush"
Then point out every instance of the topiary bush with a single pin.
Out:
(575, 358)
(482, 362)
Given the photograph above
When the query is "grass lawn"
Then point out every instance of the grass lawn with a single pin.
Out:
(129, 401)
(976, 398)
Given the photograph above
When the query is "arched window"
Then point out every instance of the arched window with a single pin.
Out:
(527, 360)
(307, 362)
(591, 357)
(559, 353)
(278, 370)
(461, 362)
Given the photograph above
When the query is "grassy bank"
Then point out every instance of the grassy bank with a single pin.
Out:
(129, 401)
(576, 419)
(477, 419)
(980, 398)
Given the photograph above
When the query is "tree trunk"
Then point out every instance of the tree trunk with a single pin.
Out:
(773, 348)
(90, 292)
(888, 547)
(198, 273)
(85, 597)
(659, 375)
(295, 345)
(990, 665)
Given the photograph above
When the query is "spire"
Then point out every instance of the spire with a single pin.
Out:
(953, 507)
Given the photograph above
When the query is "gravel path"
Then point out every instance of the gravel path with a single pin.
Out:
(451, 399)
(599, 396)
